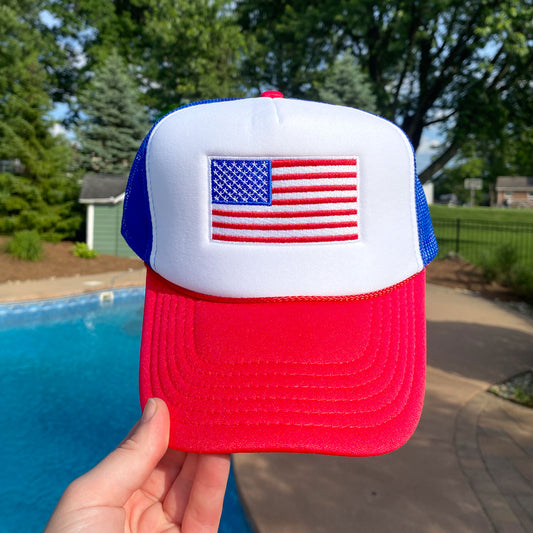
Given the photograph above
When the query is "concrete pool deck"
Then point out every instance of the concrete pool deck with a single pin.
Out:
(19, 291)
(468, 467)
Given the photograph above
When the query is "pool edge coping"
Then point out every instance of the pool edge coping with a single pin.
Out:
(13, 292)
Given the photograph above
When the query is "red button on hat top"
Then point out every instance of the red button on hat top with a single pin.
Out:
(272, 94)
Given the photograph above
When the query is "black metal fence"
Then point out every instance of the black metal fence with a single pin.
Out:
(473, 239)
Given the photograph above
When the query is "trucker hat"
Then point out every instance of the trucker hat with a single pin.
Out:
(286, 243)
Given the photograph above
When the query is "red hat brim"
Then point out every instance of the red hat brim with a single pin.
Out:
(340, 375)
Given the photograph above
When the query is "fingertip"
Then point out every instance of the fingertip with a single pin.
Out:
(152, 407)
(155, 421)
(149, 411)
(155, 418)
(161, 406)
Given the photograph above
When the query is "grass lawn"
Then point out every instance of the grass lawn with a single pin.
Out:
(492, 214)
(474, 232)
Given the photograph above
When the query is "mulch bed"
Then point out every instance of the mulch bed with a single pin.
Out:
(457, 273)
(59, 261)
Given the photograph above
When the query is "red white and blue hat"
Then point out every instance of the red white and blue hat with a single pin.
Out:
(286, 243)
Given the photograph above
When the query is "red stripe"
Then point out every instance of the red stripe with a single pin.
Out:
(285, 214)
(313, 175)
(315, 188)
(281, 227)
(277, 163)
(324, 238)
(305, 201)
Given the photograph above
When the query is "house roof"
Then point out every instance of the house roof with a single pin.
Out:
(102, 189)
(514, 183)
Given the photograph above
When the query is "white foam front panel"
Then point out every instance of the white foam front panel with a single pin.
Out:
(178, 178)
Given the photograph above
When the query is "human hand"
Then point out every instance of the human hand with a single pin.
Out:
(143, 486)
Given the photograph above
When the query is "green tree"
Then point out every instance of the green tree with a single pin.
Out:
(521, 153)
(461, 64)
(179, 50)
(290, 43)
(194, 53)
(35, 191)
(509, 155)
(114, 122)
(451, 180)
(25, 104)
(346, 84)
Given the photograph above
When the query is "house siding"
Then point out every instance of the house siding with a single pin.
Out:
(107, 236)
(515, 199)
(515, 191)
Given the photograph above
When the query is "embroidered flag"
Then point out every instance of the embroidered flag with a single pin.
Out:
(284, 200)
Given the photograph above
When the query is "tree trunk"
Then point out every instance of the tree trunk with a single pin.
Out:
(439, 163)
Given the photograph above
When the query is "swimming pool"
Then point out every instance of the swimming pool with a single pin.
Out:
(69, 388)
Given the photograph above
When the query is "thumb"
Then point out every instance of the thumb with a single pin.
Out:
(124, 470)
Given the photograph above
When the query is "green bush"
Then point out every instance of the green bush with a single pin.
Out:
(498, 264)
(80, 249)
(520, 280)
(26, 245)
(501, 265)
(489, 266)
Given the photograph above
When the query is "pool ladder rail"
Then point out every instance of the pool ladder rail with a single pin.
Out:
(106, 298)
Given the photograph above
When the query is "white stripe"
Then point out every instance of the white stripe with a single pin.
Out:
(326, 169)
(314, 182)
(285, 233)
(284, 208)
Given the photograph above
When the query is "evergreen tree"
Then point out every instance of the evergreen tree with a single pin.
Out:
(346, 84)
(35, 191)
(24, 103)
(114, 122)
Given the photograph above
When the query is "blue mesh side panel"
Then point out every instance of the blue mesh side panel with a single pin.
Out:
(136, 219)
(426, 235)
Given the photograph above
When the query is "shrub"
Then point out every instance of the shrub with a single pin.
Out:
(501, 265)
(506, 259)
(26, 245)
(521, 282)
(80, 249)
(498, 264)
(489, 267)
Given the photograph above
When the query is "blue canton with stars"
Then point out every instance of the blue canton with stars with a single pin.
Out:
(241, 181)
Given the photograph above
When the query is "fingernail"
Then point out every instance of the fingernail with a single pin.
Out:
(149, 410)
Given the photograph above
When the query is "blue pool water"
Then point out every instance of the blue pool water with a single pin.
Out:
(68, 382)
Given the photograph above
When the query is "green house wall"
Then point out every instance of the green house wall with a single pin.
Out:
(107, 237)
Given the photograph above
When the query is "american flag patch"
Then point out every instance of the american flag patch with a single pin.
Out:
(284, 200)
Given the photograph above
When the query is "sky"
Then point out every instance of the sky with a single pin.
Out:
(431, 140)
